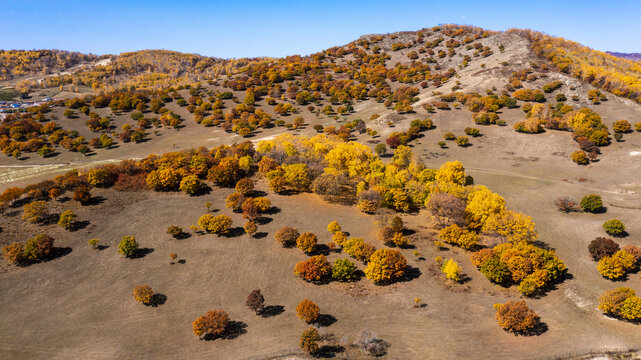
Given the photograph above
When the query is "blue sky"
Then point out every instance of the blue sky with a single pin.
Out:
(277, 28)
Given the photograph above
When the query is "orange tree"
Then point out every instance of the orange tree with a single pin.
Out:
(516, 316)
(307, 311)
(315, 268)
(214, 323)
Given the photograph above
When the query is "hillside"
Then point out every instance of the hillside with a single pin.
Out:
(628, 56)
(440, 152)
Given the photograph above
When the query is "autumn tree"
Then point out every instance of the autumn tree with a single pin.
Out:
(214, 323)
(602, 247)
(592, 203)
(307, 311)
(614, 227)
(343, 270)
(385, 265)
(191, 185)
(67, 220)
(616, 266)
(622, 303)
(255, 301)
(333, 227)
(38, 247)
(316, 268)
(35, 211)
(307, 242)
(143, 293)
(447, 209)
(219, 224)
(309, 340)
(565, 204)
(250, 228)
(226, 173)
(128, 246)
(14, 253)
(245, 186)
(82, 194)
(451, 270)
(516, 317)
(287, 236)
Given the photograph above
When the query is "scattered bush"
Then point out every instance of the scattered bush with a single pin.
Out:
(14, 253)
(451, 270)
(385, 265)
(307, 242)
(93, 243)
(565, 204)
(516, 317)
(35, 211)
(128, 246)
(316, 268)
(614, 227)
(67, 220)
(307, 311)
(343, 270)
(616, 266)
(602, 247)
(621, 126)
(175, 231)
(219, 224)
(214, 323)
(287, 236)
(592, 203)
(143, 293)
(622, 303)
(39, 247)
(580, 157)
(255, 301)
(309, 340)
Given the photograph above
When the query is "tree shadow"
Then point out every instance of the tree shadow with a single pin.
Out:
(50, 219)
(273, 210)
(182, 261)
(325, 320)
(79, 225)
(182, 235)
(142, 252)
(234, 330)
(329, 351)
(263, 220)
(204, 190)
(95, 200)
(258, 193)
(157, 300)
(411, 273)
(234, 232)
(539, 329)
(621, 235)
(57, 252)
(408, 232)
(260, 235)
(322, 249)
(272, 310)
(102, 247)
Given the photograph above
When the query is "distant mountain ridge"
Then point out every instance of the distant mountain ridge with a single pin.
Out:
(628, 56)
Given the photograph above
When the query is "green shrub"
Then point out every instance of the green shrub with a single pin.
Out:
(592, 203)
(128, 246)
(343, 270)
(614, 227)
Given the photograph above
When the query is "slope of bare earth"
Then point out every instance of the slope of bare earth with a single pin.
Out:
(79, 305)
